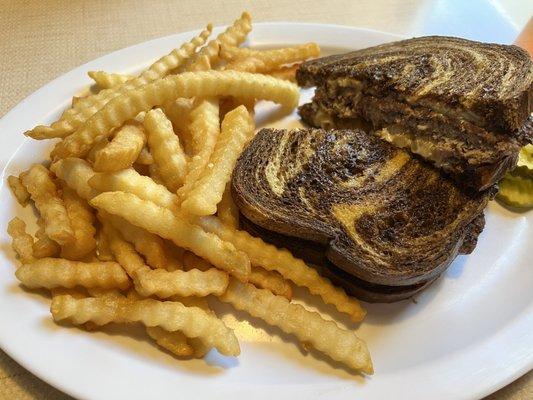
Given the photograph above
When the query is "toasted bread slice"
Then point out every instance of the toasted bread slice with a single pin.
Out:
(464, 106)
(382, 216)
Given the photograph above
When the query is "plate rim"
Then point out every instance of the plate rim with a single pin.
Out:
(57, 383)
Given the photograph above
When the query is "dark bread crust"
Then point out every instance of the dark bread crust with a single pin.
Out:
(493, 81)
(385, 217)
(314, 254)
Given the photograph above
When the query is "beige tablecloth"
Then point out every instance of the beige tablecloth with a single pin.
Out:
(40, 40)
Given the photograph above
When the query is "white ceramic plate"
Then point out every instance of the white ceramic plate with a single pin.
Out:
(466, 336)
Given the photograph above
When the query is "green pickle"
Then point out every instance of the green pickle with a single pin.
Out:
(524, 166)
(516, 188)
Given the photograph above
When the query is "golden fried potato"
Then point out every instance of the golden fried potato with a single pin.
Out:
(85, 108)
(130, 181)
(146, 243)
(103, 252)
(171, 316)
(145, 157)
(260, 277)
(107, 80)
(234, 36)
(271, 280)
(178, 112)
(261, 61)
(169, 156)
(227, 211)
(165, 284)
(164, 223)
(44, 246)
(273, 259)
(76, 173)
(285, 73)
(57, 272)
(122, 151)
(21, 241)
(237, 129)
(175, 342)
(188, 84)
(309, 327)
(81, 220)
(204, 130)
(18, 189)
(43, 191)
(123, 251)
(97, 147)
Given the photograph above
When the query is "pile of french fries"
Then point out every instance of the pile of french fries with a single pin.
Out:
(136, 221)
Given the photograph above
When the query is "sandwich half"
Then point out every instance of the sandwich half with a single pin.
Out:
(376, 220)
(462, 105)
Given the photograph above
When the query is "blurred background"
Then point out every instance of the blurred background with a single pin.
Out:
(40, 40)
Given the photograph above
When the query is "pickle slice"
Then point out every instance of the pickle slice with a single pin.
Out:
(516, 191)
(524, 166)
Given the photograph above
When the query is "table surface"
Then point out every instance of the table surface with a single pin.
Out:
(44, 39)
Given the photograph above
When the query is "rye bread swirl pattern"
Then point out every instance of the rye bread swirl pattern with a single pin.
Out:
(493, 83)
(385, 217)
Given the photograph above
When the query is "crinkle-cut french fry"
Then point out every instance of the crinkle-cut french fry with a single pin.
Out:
(201, 64)
(234, 35)
(204, 124)
(271, 280)
(154, 175)
(145, 157)
(284, 55)
(285, 73)
(130, 181)
(76, 173)
(146, 243)
(164, 223)
(18, 189)
(44, 246)
(178, 112)
(260, 277)
(82, 220)
(75, 100)
(175, 342)
(193, 301)
(171, 316)
(99, 145)
(88, 106)
(122, 151)
(43, 191)
(103, 252)
(21, 241)
(124, 252)
(237, 129)
(165, 284)
(192, 261)
(58, 272)
(200, 348)
(204, 130)
(308, 326)
(229, 103)
(188, 84)
(281, 260)
(77, 292)
(227, 210)
(106, 80)
(267, 60)
(166, 149)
